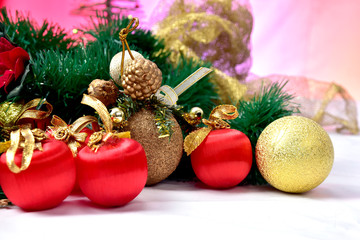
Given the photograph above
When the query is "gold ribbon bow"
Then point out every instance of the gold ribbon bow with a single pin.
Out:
(71, 134)
(97, 138)
(27, 139)
(122, 35)
(12, 113)
(215, 121)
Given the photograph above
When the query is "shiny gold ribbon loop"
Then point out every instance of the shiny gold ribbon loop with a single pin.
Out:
(28, 112)
(28, 145)
(101, 109)
(58, 122)
(122, 35)
(82, 122)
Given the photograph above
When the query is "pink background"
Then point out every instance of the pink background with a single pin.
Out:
(317, 39)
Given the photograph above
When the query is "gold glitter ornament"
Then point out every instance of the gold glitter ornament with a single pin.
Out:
(163, 154)
(294, 154)
(116, 61)
(141, 79)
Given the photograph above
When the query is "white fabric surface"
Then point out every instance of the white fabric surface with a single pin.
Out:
(176, 210)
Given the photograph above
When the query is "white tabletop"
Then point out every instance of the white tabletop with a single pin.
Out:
(188, 210)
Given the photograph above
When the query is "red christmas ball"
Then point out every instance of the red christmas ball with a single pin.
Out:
(89, 131)
(45, 183)
(113, 175)
(223, 159)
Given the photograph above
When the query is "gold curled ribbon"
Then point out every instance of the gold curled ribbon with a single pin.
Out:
(71, 135)
(27, 139)
(12, 113)
(122, 35)
(215, 121)
(97, 138)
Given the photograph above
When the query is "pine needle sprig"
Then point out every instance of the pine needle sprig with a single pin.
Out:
(271, 103)
(26, 33)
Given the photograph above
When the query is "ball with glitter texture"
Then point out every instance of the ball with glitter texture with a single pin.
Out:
(115, 64)
(163, 154)
(294, 154)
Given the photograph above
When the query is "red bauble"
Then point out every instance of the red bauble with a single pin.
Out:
(113, 175)
(223, 159)
(46, 182)
(89, 132)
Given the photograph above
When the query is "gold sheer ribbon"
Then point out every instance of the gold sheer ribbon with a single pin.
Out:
(28, 140)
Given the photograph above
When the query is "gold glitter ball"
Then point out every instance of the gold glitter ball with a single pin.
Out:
(294, 154)
(141, 79)
(163, 154)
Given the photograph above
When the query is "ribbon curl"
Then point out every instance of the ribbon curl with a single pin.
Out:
(71, 134)
(215, 121)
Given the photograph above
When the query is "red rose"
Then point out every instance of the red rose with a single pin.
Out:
(12, 61)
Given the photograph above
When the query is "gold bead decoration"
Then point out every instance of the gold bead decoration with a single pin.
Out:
(194, 116)
(117, 115)
(196, 112)
(294, 154)
(141, 79)
(118, 118)
(116, 61)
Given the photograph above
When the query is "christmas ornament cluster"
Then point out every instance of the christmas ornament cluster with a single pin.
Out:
(137, 136)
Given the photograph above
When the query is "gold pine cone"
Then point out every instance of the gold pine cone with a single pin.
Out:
(106, 91)
(116, 62)
(141, 79)
(163, 154)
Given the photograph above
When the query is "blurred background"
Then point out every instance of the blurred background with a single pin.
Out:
(317, 39)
